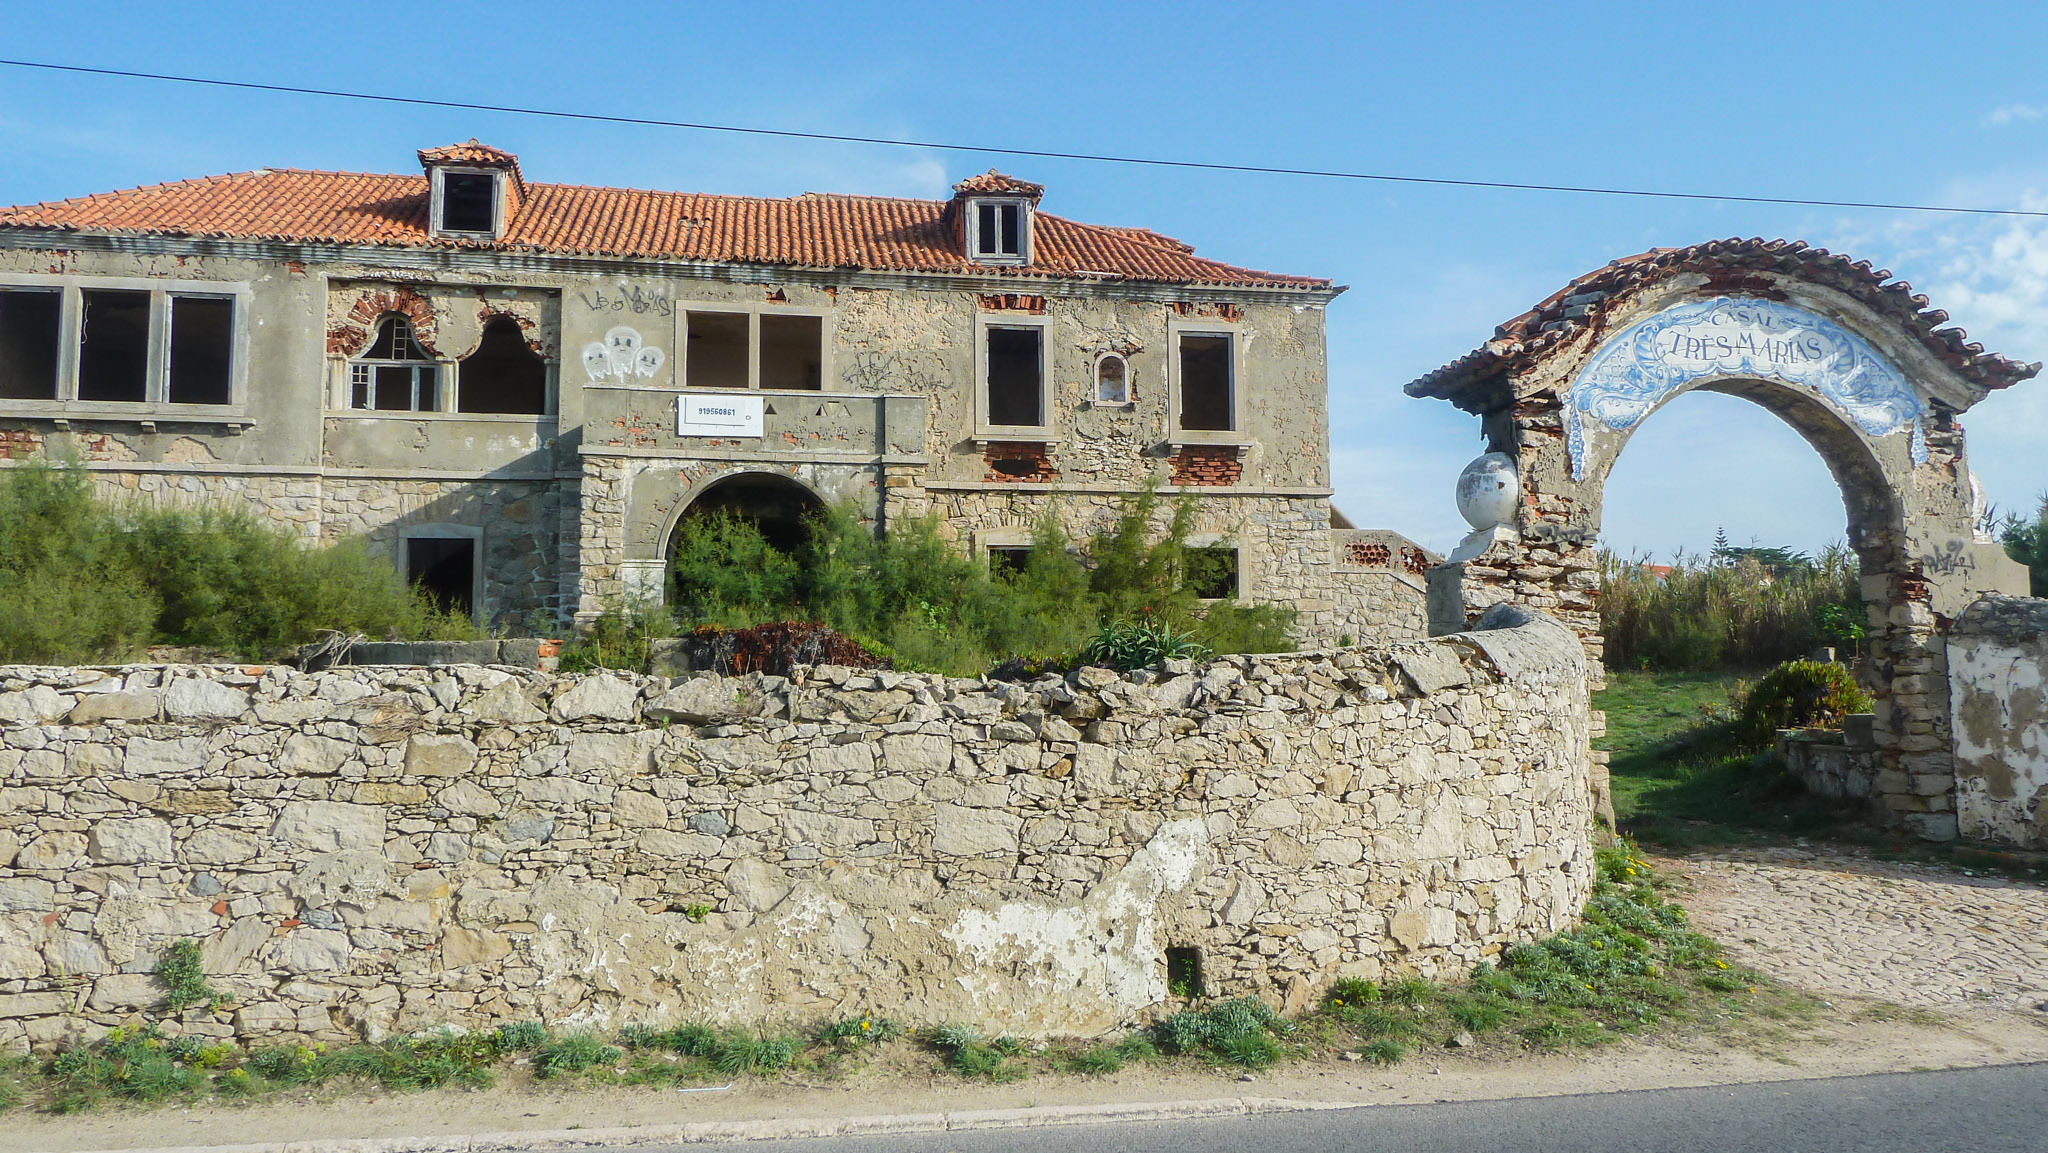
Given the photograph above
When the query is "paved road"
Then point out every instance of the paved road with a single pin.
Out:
(2003, 1109)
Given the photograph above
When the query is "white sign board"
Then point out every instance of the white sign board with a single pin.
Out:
(718, 414)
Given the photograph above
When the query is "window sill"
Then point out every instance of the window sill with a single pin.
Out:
(1236, 441)
(996, 434)
(401, 414)
(63, 412)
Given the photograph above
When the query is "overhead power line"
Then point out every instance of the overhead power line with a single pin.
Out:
(1036, 153)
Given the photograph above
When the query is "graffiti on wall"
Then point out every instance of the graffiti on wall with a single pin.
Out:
(1658, 357)
(621, 357)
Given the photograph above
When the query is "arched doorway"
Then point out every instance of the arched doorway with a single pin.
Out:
(1853, 361)
(775, 504)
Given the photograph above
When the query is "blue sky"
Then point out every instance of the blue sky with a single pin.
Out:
(1865, 101)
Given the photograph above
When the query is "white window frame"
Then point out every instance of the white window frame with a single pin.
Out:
(972, 232)
(1234, 436)
(753, 313)
(363, 366)
(156, 403)
(471, 533)
(984, 430)
(437, 202)
(1095, 384)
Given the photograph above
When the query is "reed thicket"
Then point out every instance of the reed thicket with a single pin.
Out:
(1728, 611)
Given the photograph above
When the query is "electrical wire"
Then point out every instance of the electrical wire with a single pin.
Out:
(1034, 153)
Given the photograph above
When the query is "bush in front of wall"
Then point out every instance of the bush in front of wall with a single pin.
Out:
(1799, 695)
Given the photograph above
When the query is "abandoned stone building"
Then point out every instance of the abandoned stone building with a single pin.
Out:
(522, 389)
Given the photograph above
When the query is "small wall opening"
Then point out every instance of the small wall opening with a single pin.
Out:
(503, 375)
(717, 350)
(1184, 971)
(1007, 560)
(1212, 572)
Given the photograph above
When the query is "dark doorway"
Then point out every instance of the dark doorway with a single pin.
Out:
(444, 567)
(776, 505)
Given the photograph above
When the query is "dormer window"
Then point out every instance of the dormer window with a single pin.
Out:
(999, 230)
(473, 191)
(465, 203)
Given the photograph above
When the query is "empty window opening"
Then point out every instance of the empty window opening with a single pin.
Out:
(444, 568)
(469, 202)
(1212, 572)
(202, 340)
(1015, 377)
(1008, 560)
(999, 229)
(717, 350)
(30, 323)
(395, 375)
(1205, 369)
(503, 375)
(1112, 380)
(1184, 971)
(113, 355)
(792, 351)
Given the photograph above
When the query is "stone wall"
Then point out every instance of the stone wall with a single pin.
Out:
(365, 850)
(1998, 689)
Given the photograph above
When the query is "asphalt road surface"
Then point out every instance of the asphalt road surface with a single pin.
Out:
(2003, 1109)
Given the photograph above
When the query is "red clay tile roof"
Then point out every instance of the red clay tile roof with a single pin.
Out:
(997, 183)
(1476, 381)
(808, 231)
(472, 152)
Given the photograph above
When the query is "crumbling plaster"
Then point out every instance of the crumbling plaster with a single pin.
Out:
(1998, 691)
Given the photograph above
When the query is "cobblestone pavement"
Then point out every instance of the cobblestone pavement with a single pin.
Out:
(1913, 934)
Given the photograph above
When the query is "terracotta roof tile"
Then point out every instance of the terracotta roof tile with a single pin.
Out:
(808, 231)
(1474, 381)
(997, 183)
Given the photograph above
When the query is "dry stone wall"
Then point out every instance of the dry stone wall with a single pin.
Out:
(365, 850)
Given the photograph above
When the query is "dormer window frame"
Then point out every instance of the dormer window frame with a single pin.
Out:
(977, 229)
(438, 201)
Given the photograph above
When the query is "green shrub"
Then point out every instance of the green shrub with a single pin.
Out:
(1239, 1031)
(184, 977)
(1729, 611)
(519, 1036)
(82, 580)
(1798, 695)
(1139, 644)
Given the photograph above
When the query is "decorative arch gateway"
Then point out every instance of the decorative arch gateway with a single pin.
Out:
(1853, 360)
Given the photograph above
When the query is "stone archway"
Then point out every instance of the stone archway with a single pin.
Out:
(1852, 360)
(772, 502)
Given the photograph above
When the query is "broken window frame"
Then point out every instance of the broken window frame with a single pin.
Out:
(365, 370)
(998, 246)
(34, 344)
(987, 429)
(755, 314)
(548, 382)
(1234, 436)
(437, 208)
(156, 399)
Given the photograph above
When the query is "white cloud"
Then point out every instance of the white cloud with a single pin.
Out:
(2014, 113)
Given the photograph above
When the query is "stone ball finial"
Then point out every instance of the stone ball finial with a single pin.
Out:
(1488, 490)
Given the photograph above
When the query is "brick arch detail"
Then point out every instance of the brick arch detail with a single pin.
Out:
(359, 327)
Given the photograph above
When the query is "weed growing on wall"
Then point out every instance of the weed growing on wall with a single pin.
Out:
(83, 580)
(184, 978)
